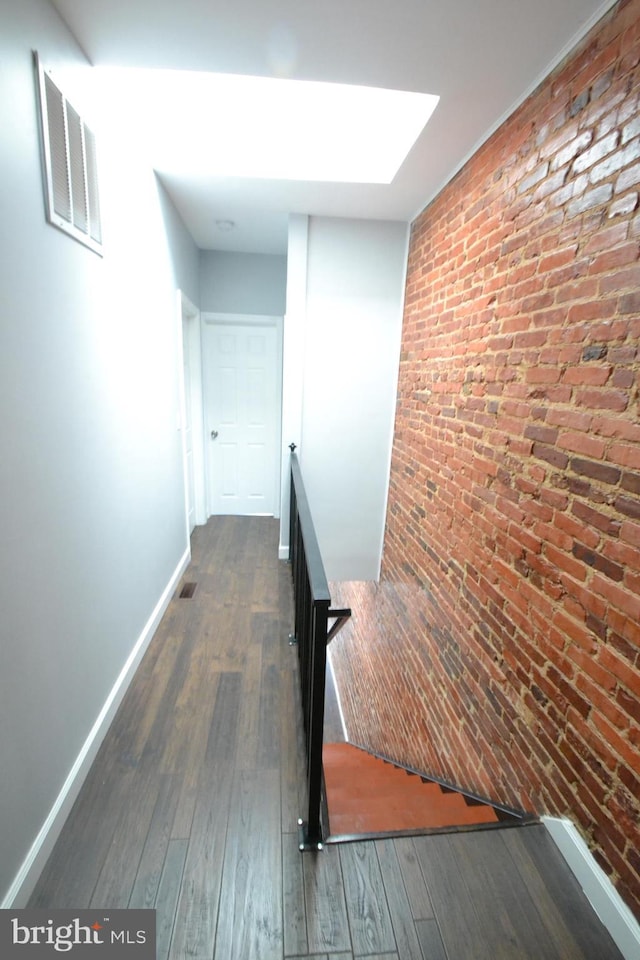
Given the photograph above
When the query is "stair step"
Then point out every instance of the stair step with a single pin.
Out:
(368, 795)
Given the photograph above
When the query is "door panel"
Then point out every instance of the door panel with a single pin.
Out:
(243, 411)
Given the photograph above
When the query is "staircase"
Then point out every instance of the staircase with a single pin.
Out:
(368, 796)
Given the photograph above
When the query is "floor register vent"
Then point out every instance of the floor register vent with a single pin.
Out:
(188, 591)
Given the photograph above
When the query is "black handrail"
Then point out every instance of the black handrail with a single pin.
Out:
(311, 633)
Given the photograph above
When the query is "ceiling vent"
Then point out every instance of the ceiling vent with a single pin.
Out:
(70, 165)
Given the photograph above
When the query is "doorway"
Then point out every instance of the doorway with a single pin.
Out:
(191, 414)
(242, 361)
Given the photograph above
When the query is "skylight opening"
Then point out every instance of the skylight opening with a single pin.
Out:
(204, 124)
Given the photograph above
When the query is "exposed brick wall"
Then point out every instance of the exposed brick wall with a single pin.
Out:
(502, 648)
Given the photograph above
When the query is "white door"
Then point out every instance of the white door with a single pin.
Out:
(243, 417)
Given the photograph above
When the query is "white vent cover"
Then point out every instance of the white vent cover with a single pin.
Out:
(70, 166)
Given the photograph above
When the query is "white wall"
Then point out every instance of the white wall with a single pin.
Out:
(91, 479)
(352, 319)
(293, 360)
(248, 283)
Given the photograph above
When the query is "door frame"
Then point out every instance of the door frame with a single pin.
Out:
(189, 338)
(245, 320)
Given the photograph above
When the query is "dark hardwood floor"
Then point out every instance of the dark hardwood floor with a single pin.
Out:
(191, 808)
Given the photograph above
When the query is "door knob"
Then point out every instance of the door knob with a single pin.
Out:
(214, 434)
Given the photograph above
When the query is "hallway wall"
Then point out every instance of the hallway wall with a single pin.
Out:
(347, 328)
(91, 477)
(503, 652)
(249, 283)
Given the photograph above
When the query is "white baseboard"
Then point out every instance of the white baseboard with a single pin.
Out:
(27, 877)
(601, 893)
(283, 552)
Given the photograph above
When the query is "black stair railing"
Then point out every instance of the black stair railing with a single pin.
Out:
(312, 633)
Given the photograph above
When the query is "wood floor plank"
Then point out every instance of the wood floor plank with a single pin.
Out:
(198, 665)
(369, 918)
(306, 956)
(249, 714)
(295, 923)
(417, 893)
(379, 956)
(147, 881)
(508, 923)
(188, 762)
(292, 760)
(187, 720)
(77, 859)
(269, 747)
(265, 594)
(327, 923)
(453, 906)
(220, 753)
(115, 883)
(431, 941)
(517, 844)
(167, 896)
(250, 916)
(586, 936)
(268, 632)
(146, 716)
(197, 909)
(404, 928)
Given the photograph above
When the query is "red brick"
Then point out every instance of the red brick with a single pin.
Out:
(577, 632)
(623, 599)
(575, 419)
(541, 374)
(631, 705)
(582, 443)
(542, 434)
(619, 428)
(606, 239)
(614, 739)
(622, 553)
(609, 567)
(511, 567)
(624, 455)
(623, 378)
(553, 456)
(594, 518)
(597, 471)
(576, 529)
(599, 309)
(610, 259)
(630, 532)
(604, 399)
(565, 562)
(629, 506)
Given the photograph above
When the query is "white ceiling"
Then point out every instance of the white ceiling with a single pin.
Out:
(482, 57)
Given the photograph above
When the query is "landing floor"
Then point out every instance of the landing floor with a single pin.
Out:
(192, 802)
